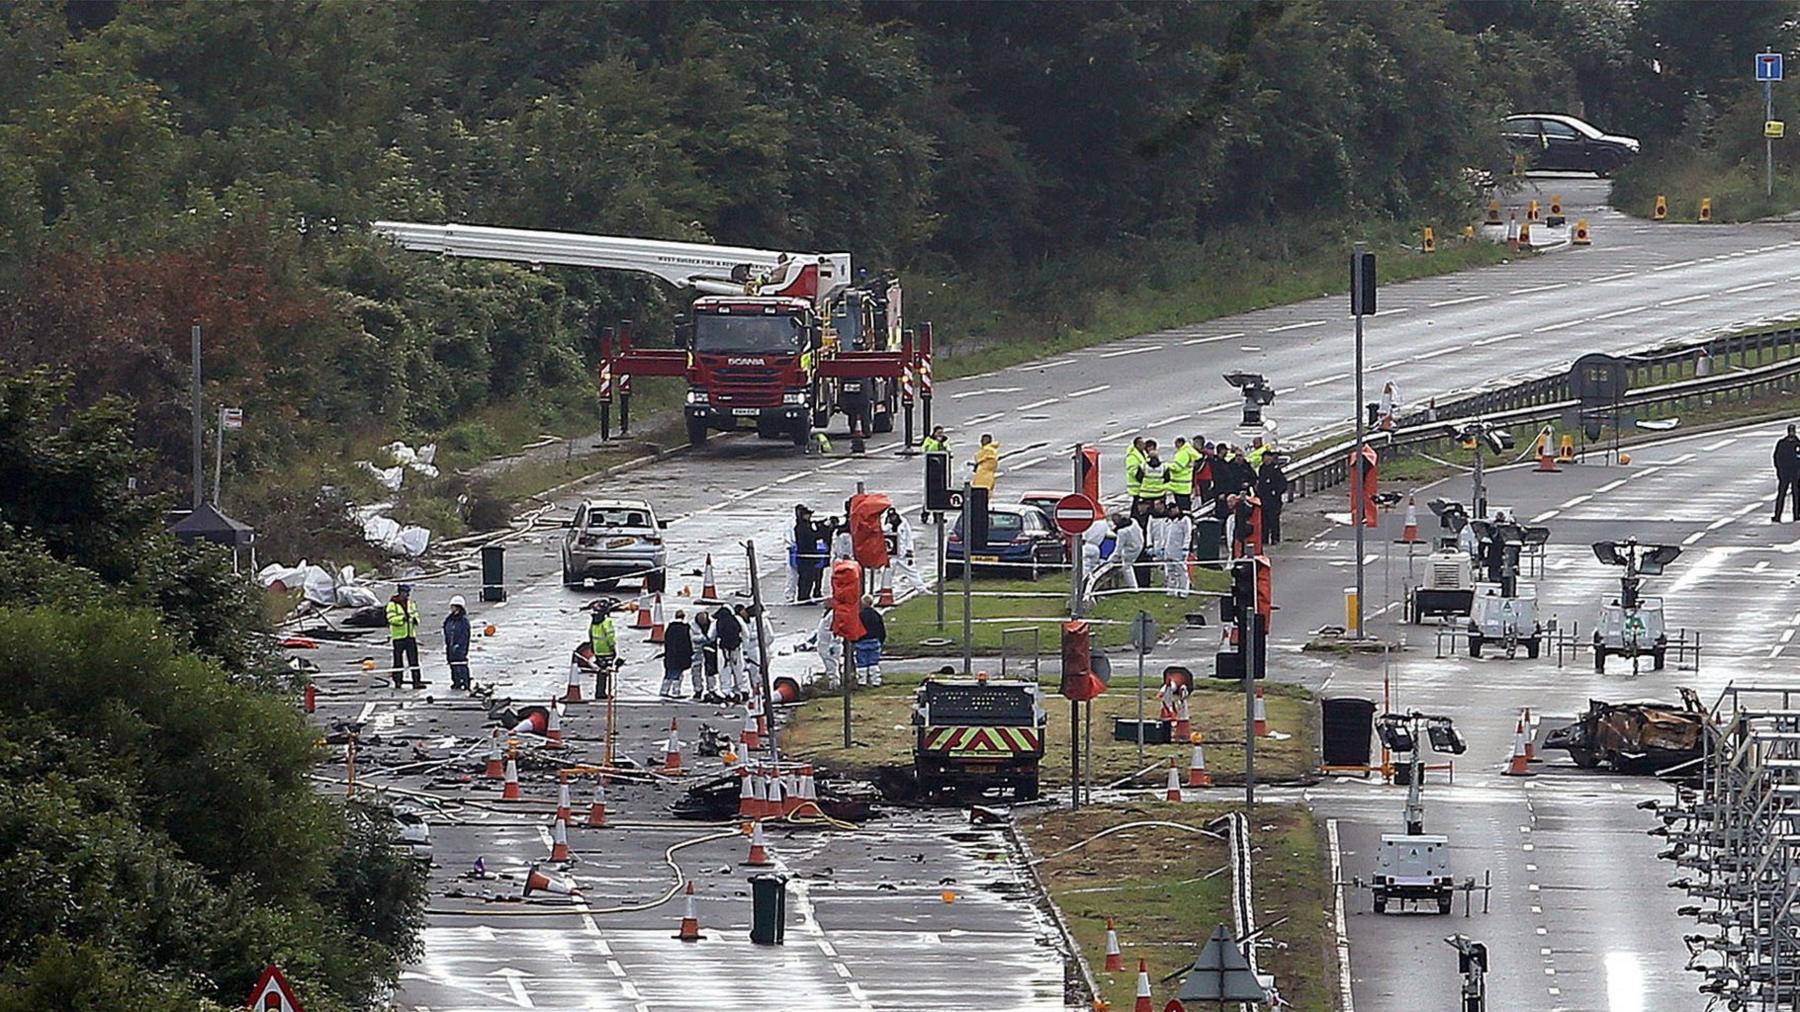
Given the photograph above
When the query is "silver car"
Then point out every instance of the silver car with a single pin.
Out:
(610, 540)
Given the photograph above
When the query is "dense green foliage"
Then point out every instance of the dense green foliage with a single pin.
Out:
(160, 839)
(166, 163)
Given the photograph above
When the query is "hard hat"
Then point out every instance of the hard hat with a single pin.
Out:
(405, 588)
(457, 602)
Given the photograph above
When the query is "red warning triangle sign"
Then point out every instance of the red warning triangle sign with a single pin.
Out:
(272, 993)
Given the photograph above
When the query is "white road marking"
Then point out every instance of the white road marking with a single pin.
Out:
(1321, 381)
(1577, 501)
(1715, 525)
(978, 419)
(1691, 538)
(1089, 390)
(1558, 326)
(1130, 351)
(1458, 302)
(1433, 354)
(1538, 288)
(1034, 405)
(1708, 448)
(1050, 365)
(1171, 420)
(1343, 933)
(1023, 464)
(1609, 486)
(796, 476)
(1675, 266)
(1612, 277)
(1501, 337)
(1215, 337)
(1748, 288)
(1540, 518)
(1296, 326)
(1620, 312)
(1690, 298)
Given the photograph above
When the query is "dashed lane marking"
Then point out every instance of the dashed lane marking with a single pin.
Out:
(1538, 288)
(1558, 326)
(1130, 351)
(1684, 299)
(1620, 312)
(1500, 337)
(1749, 288)
(1034, 405)
(1296, 326)
(1089, 390)
(1677, 265)
(1612, 277)
(1433, 354)
(1322, 380)
(1215, 337)
(1458, 302)
(1546, 515)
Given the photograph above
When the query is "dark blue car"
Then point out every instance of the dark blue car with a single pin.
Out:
(1020, 543)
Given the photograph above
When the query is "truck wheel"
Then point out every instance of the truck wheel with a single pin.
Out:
(1380, 904)
(1474, 644)
(884, 420)
(1599, 660)
(801, 432)
(1656, 659)
(1531, 647)
(1025, 789)
(1444, 903)
(1418, 617)
(696, 432)
(574, 581)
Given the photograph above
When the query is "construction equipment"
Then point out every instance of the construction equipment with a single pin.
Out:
(1504, 609)
(1414, 866)
(1631, 625)
(973, 734)
(1635, 737)
(778, 343)
(1448, 589)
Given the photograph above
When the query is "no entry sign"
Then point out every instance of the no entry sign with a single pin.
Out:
(1075, 513)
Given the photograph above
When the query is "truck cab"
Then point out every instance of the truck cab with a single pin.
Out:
(750, 367)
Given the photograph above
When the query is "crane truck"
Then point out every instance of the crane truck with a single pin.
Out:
(777, 342)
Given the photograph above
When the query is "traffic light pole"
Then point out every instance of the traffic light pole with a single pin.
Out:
(968, 529)
(1356, 482)
(1246, 619)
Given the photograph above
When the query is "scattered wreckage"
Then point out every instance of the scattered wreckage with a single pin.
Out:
(1646, 737)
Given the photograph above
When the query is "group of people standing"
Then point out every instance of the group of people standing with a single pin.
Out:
(720, 651)
(813, 545)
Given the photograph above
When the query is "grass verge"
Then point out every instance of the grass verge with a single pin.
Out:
(1158, 885)
(882, 722)
(1023, 604)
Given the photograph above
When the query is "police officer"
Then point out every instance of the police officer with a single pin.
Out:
(403, 633)
(604, 641)
(1181, 473)
(1271, 488)
(1134, 474)
(1787, 472)
(937, 442)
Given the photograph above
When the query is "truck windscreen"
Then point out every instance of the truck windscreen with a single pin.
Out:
(774, 335)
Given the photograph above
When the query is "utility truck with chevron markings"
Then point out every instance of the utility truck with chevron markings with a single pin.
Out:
(976, 734)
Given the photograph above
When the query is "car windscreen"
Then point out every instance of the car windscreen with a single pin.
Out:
(774, 335)
(1001, 526)
(618, 516)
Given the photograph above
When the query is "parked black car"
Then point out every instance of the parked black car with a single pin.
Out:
(1561, 143)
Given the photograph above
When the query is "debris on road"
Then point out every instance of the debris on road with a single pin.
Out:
(1645, 737)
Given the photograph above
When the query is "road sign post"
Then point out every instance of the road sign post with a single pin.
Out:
(1768, 71)
(1362, 301)
(1143, 637)
(968, 569)
(1074, 514)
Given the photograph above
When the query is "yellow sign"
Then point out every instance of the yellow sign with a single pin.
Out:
(1774, 128)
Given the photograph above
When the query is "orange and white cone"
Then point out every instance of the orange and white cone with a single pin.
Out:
(510, 792)
(1173, 791)
(643, 611)
(746, 793)
(563, 807)
(750, 735)
(538, 882)
(1531, 755)
(1115, 960)
(597, 811)
(759, 848)
(1409, 534)
(559, 840)
(656, 620)
(572, 692)
(1143, 989)
(1517, 766)
(1546, 452)
(496, 759)
(690, 921)
(553, 736)
(1197, 775)
(762, 723)
(672, 750)
(884, 597)
(791, 799)
(759, 794)
(1184, 724)
(776, 806)
(709, 587)
(1260, 715)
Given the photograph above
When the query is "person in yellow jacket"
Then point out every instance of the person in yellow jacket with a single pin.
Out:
(1134, 459)
(403, 633)
(987, 463)
(1181, 473)
(603, 639)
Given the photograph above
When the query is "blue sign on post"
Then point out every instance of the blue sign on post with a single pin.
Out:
(1768, 66)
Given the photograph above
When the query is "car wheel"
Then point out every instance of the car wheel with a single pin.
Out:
(1032, 574)
(953, 570)
(1474, 644)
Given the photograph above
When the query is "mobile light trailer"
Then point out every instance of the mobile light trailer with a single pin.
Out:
(1413, 867)
(778, 342)
(1631, 625)
(1504, 608)
(1448, 589)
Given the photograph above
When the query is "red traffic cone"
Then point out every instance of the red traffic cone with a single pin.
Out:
(656, 620)
(1197, 775)
(884, 598)
(776, 805)
(1260, 715)
(559, 840)
(759, 848)
(1546, 453)
(1184, 723)
(553, 737)
(536, 881)
(1115, 960)
(746, 794)
(572, 692)
(496, 759)
(510, 792)
(1173, 791)
(1409, 534)
(690, 921)
(597, 811)
(1516, 766)
(1531, 755)
(563, 807)
(643, 611)
(809, 791)
(1143, 989)
(759, 794)
(751, 734)
(709, 588)
(672, 750)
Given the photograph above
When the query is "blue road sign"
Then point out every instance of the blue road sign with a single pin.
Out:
(1768, 66)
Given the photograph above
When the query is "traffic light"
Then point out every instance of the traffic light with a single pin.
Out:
(937, 482)
(977, 538)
